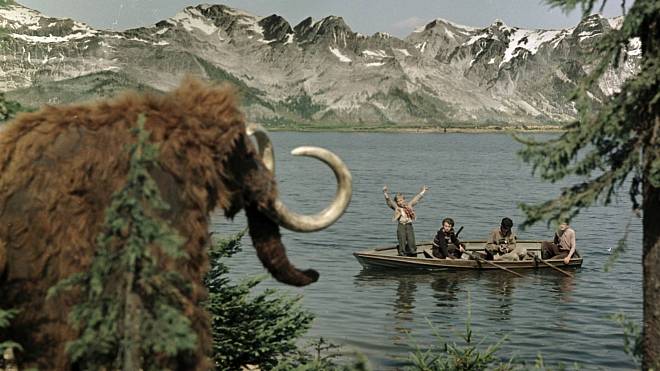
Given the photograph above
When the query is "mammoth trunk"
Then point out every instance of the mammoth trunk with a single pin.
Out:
(267, 241)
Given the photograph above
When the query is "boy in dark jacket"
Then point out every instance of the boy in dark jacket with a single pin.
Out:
(445, 244)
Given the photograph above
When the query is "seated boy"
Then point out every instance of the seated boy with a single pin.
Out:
(442, 248)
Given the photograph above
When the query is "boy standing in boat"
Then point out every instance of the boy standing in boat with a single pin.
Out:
(446, 244)
(563, 245)
(404, 214)
(501, 244)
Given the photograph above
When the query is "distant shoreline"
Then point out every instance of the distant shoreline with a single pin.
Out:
(474, 130)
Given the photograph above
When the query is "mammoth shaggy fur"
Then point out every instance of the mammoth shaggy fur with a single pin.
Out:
(58, 170)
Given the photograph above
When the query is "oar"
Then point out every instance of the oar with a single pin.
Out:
(536, 258)
(478, 258)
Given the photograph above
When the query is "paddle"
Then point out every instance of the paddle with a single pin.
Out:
(536, 258)
(478, 258)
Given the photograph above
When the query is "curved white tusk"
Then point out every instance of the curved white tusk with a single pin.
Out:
(310, 223)
(265, 147)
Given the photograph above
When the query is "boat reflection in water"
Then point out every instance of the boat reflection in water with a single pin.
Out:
(420, 302)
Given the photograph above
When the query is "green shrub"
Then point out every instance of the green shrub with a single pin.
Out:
(6, 316)
(450, 356)
(8, 108)
(321, 355)
(470, 356)
(250, 329)
(632, 337)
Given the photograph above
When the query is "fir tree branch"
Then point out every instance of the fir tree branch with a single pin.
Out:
(130, 313)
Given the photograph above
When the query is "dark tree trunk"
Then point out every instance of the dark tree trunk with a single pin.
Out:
(651, 261)
(650, 38)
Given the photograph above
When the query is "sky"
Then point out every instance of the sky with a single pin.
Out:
(398, 18)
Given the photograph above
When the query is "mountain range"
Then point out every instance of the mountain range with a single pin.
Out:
(316, 73)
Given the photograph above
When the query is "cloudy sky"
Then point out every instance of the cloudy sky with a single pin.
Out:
(398, 18)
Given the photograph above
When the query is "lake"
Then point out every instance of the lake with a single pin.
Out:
(476, 179)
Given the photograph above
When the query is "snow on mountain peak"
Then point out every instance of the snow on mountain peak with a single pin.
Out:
(634, 46)
(615, 22)
(455, 25)
(379, 54)
(433, 63)
(191, 18)
(444, 22)
(331, 22)
(15, 16)
(338, 54)
(476, 38)
(202, 18)
(382, 35)
(499, 24)
(50, 38)
(529, 40)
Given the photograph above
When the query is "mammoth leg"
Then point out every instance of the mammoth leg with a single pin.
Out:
(268, 243)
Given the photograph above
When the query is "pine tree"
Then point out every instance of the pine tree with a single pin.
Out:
(8, 108)
(6, 316)
(612, 142)
(130, 315)
(257, 329)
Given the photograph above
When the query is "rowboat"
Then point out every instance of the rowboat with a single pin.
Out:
(387, 257)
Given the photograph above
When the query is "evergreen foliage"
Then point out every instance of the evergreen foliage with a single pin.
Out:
(8, 108)
(321, 355)
(130, 314)
(606, 143)
(632, 337)
(612, 142)
(5, 317)
(469, 355)
(539, 364)
(302, 105)
(256, 330)
(454, 357)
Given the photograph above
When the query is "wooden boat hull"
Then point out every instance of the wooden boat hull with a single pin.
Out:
(386, 257)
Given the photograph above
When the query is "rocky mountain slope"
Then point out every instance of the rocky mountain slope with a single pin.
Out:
(315, 73)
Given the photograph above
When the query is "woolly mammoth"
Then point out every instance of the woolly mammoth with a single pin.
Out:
(60, 166)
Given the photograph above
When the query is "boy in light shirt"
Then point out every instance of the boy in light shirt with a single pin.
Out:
(563, 245)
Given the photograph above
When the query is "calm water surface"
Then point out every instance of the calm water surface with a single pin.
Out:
(476, 179)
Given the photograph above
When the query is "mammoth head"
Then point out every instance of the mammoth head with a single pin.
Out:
(266, 212)
(208, 146)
